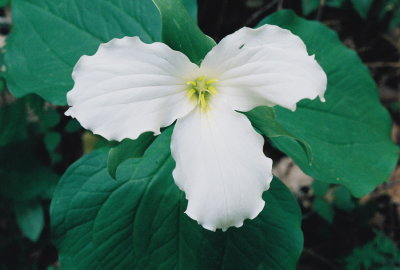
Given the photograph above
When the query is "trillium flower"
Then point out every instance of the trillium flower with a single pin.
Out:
(128, 87)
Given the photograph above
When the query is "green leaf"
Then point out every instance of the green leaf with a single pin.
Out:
(335, 3)
(3, 3)
(72, 126)
(191, 7)
(309, 6)
(362, 7)
(13, 122)
(49, 119)
(128, 149)
(324, 209)
(30, 219)
(264, 119)
(395, 21)
(349, 134)
(23, 177)
(379, 253)
(320, 188)
(138, 221)
(48, 37)
(343, 199)
(180, 31)
(52, 140)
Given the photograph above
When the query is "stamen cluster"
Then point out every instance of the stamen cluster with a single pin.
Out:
(200, 91)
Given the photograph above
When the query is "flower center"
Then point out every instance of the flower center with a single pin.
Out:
(201, 90)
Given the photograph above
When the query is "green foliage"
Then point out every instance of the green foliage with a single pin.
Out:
(309, 6)
(72, 126)
(13, 122)
(181, 33)
(49, 118)
(320, 188)
(390, 9)
(51, 140)
(138, 221)
(384, 9)
(30, 219)
(328, 198)
(128, 149)
(27, 182)
(4, 3)
(362, 7)
(191, 7)
(380, 253)
(343, 199)
(324, 209)
(264, 120)
(320, 204)
(336, 129)
(60, 32)
(23, 177)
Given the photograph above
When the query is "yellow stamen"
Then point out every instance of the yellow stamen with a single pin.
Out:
(203, 102)
(210, 81)
(212, 90)
(201, 91)
(191, 93)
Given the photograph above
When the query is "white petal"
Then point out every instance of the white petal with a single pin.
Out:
(264, 66)
(220, 166)
(128, 87)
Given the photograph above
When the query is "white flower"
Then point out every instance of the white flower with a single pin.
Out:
(128, 87)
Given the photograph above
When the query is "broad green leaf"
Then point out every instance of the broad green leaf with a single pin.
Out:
(362, 7)
(138, 221)
(128, 149)
(30, 219)
(349, 134)
(191, 7)
(180, 31)
(264, 120)
(48, 38)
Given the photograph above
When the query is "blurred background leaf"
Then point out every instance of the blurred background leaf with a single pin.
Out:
(30, 219)
(380, 253)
